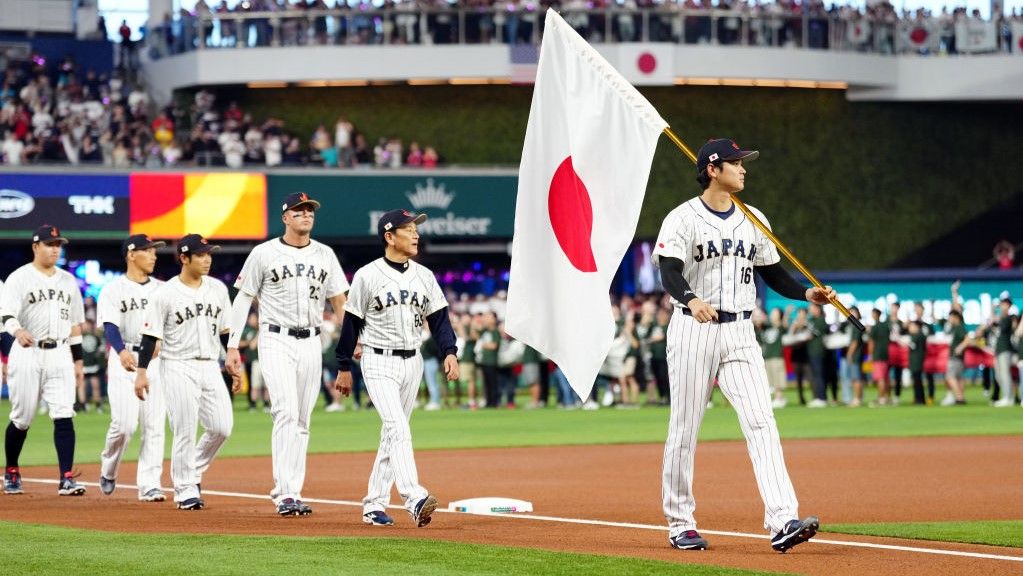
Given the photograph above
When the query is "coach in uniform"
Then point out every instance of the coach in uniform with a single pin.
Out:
(41, 307)
(707, 251)
(189, 318)
(292, 276)
(121, 310)
(389, 300)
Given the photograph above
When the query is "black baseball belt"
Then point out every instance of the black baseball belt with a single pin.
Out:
(300, 333)
(398, 353)
(50, 343)
(725, 316)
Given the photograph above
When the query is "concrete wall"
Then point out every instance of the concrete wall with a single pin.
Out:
(866, 76)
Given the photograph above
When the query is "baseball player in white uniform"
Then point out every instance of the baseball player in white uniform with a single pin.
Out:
(188, 316)
(389, 301)
(121, 310)
(292, 277)
(707, 251)
(41, 307)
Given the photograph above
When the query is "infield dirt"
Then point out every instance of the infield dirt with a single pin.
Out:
(841, 481)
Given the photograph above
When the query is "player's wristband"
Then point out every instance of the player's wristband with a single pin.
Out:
(76, 351)
(11, 325)
(72, 340)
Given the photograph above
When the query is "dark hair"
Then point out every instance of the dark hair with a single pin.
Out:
(703, 178)
(187, 255)
(875, 311)
(956, 313)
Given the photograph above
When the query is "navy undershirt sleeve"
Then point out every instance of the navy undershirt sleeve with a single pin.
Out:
(781, 281)
(113, 336)
(443, 333)
(351, 328)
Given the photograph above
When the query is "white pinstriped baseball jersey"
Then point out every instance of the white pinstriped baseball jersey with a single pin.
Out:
(719, 254)
(292, 284)
(394, 304)
(123, 303)
(188, 320)
(46, 306)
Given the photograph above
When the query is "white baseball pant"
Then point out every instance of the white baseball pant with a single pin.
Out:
(195, 394)
(392, 383)
(292, 370)
(34, 373)
(128, 413)
(696, 354)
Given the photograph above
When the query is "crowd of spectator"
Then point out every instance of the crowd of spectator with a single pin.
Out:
(56, 114)
(810, 23)
(230, 137)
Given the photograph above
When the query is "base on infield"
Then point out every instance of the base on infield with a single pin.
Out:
(490, 505)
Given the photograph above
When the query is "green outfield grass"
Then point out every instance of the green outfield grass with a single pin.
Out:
(353, 431)
(990, 532)
(38, 550)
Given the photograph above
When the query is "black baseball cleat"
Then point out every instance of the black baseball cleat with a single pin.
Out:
(303, 508)
(795, 533)
(192, 504)
(288, 507)
(424, 509)
(688, 540)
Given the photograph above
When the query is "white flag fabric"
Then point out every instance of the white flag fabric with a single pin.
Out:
(585, 162)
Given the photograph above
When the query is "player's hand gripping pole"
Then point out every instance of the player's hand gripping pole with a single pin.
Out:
(767, 232)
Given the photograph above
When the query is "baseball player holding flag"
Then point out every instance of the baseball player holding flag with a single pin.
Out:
(388, 303)
(189, 318)
(292, 276)
(707, 251)
(121, 310)
(576, 216)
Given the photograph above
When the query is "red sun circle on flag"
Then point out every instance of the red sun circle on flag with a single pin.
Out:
(571, 214)
(646, 63)
(918, 35)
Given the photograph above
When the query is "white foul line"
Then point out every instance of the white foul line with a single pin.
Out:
(606, 523)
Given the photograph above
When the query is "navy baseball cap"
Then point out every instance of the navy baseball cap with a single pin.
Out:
(139, 242)
(396, 219)
(296, 199)
(722, 150)
(195, 244)
(47, 233)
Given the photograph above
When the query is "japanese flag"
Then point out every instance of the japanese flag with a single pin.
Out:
(585, 162)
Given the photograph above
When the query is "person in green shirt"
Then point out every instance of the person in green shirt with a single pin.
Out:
(880, 335)
(529, 376)
(1003, 354)
(431, 364)
(954, 370)
(815, 353)
(489, 342)
(852, 362)
(93, 360)
(917, 353)
(769, 335)
(658, 343)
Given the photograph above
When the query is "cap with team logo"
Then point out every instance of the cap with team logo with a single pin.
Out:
(396, 219)
(195, 244)
(47, 234)
(722, 150)
(1005, 297)
(296, 199)
(139, 242)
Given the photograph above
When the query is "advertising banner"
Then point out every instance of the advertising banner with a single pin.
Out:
(83, 206)
(462, 207)
(223, 205)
